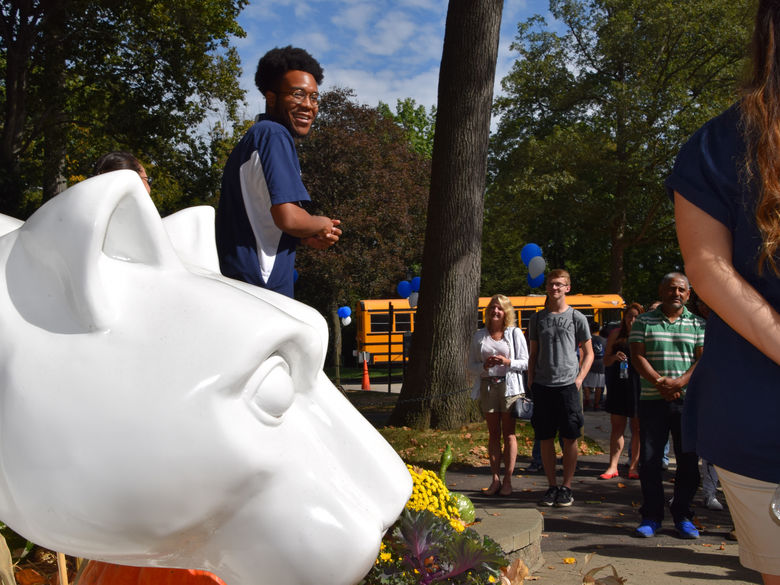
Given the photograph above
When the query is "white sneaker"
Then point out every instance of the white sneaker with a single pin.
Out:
(712, 503)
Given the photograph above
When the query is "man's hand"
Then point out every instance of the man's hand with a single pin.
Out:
(326, 236)
(670, 388)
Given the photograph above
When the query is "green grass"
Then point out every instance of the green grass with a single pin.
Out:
(424, 447)
(356, 373)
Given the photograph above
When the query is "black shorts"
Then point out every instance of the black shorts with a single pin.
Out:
(557, 409)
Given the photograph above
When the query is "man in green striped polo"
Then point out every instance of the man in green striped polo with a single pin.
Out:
(665, 344)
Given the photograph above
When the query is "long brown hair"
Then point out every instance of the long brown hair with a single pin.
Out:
(624, 331)
(761, 120)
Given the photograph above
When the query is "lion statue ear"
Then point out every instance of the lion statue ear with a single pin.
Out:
(192, 233)
(56, 269)
(9, 224)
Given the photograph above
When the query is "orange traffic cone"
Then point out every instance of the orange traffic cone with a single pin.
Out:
(366, 381)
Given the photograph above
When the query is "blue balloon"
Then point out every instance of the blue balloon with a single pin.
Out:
(416, 284)
(295, 275)
(529, 251)
(535, 282)
(344, 312)
(404, 289)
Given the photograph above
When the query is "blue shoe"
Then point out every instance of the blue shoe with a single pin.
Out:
(648, 528)
(686, 529)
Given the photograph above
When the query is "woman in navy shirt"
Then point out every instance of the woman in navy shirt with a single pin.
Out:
(726, 186)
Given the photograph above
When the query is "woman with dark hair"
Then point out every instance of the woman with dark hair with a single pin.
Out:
(726, 187)
(497, 358)
(622, 394)
(119, 160)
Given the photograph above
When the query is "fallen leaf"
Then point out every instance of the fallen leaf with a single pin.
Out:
(515, 573)
(569, 561)
(29, 577)
(613, 579)
(722, 546)
(621, 484)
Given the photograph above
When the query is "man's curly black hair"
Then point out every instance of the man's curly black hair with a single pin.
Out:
(279, 61)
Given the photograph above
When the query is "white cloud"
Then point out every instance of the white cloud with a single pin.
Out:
(383, 49)
(388, 36)
(355, 17)
(386, 86)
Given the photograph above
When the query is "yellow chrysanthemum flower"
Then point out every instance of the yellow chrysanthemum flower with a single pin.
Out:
(430, 493)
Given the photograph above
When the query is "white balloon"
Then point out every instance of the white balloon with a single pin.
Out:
(346, 320)
(413, 299)
(536, 266)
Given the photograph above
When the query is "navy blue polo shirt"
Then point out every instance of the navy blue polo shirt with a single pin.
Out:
(263, 170)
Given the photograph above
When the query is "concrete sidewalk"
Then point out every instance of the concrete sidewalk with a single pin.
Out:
(601, 522)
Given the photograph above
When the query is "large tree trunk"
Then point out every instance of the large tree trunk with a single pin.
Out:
(337, 341)
(54, 131)
(435, 391)
(18, 35)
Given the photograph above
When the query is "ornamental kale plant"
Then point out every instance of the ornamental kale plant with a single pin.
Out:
(422, 549)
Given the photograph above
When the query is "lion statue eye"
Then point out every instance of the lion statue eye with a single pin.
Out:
(269, 392)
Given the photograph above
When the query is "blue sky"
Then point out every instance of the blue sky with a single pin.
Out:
(384, 50)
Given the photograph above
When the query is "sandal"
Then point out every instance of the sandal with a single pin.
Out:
(633, 475)
(608, 475)
(492, 490)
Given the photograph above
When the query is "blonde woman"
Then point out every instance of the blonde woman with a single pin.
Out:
(497, 358)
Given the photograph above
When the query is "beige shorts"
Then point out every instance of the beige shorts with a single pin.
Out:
(492, 396)
(758, 531)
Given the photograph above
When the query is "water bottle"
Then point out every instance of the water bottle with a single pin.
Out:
(775, 506)
(493, 370)
(624, 370)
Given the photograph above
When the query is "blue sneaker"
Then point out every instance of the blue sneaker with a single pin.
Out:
(686, 529)
(648, 528)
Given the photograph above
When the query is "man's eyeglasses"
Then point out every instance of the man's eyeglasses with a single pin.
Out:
(557, 284)
(299, 96)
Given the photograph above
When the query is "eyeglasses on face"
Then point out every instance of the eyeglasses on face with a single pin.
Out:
(299, 96)
(557, 284)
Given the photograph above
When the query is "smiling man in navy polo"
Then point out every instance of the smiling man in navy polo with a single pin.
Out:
(260, 218)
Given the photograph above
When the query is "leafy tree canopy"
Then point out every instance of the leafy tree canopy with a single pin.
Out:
(590, 123)
(359, 169)
(82, 77)
(418, 124)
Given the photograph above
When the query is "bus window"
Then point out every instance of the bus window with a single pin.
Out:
(609, 315)
(403, 322)
(524, 317)
(380, 322)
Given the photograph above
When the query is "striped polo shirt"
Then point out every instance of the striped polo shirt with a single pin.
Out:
(669, 347)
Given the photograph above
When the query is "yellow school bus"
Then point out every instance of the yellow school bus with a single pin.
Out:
(380, 331)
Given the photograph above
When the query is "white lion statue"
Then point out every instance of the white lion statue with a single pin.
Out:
(156, 413)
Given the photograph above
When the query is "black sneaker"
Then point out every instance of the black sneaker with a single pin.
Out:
(564, 497)
(550, 496)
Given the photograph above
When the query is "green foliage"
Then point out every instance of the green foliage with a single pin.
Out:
(418, 124)
(423, 548)
(590, 124)
(359, 169)
(91, 76)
